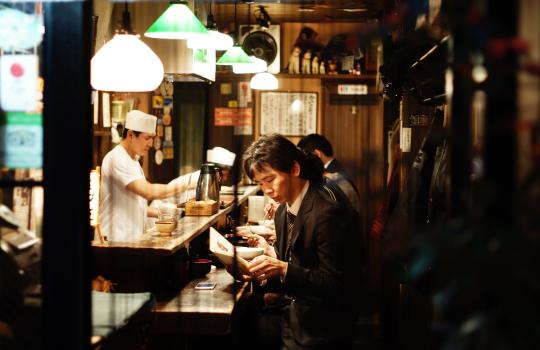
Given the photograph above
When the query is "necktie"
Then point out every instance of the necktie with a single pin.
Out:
(290, 225)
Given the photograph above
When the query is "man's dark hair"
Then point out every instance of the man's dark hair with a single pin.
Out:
(312, 142)
(280, 154)
(124, 133)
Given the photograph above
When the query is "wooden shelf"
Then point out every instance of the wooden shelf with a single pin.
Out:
(102, 133)
(347, 77)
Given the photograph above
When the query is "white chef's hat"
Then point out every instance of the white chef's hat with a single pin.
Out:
(220, 155)
(140, 121)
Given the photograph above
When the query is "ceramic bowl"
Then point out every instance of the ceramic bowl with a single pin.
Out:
(259, 230)
(267, 223)
(249, 253)
(165, 226)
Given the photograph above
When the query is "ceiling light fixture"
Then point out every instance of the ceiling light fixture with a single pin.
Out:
(125, 63)
(353, 10)
(235, 55)
(217, 40)
(177, 22)
(264, 81)
(256, 66)
(306, 9)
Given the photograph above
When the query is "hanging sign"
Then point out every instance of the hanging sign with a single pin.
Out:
(22, 140)
(232, 116)
(18, 82)
(352, 89)
(18, 30)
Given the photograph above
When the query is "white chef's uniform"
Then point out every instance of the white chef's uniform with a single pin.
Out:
(122, 213)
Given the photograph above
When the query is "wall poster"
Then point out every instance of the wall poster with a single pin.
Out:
(288, 113)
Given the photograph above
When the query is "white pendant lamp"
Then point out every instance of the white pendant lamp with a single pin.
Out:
(256, 66)
(125, 63)
(216, 40)
(264, 81)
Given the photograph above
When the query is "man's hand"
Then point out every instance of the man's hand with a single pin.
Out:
(264, 267)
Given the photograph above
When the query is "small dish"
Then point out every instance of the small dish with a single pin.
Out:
(267, 223)
(165, 226)
(249, 253)
(259, 230)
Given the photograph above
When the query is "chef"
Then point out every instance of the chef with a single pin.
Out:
(125, 192)
(218, 156)
(223, 158)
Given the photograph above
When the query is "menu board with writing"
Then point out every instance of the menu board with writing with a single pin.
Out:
(288, 113)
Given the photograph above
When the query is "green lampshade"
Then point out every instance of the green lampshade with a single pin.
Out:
(234, 55)
(177, 22)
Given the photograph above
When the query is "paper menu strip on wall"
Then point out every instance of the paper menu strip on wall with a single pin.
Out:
(106, 110)
(95, 102)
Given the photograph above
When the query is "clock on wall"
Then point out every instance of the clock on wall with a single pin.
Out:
(166, 88)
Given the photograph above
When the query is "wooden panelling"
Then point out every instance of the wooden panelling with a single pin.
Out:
(356, 133)
(291, 84)
(224, 136)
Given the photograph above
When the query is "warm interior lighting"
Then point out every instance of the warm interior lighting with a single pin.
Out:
(234, 55)
(177, 22)
(264, 81)
(255, 66)
(216, 41)
(125, 63)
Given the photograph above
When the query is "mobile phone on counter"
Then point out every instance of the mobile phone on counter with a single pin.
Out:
(205, 285)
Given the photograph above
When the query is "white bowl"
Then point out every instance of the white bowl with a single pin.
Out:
(249, 252)
(259, 230)
(267, 223)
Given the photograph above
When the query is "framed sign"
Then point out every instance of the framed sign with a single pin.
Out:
(288, 113)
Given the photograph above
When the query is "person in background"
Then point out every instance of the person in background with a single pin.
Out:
(314, 259)
(334, 171)
(219, 156)
(125, 191)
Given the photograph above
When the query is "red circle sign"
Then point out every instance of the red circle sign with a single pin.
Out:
(17, 70)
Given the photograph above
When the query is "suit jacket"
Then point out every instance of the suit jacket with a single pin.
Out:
(324, 269)
(336, 167)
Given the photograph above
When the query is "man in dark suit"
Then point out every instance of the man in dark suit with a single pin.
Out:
(334, 171)
(315, 261)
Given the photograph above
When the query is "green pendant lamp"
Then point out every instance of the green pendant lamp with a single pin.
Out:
(177, 22)
(236, 54)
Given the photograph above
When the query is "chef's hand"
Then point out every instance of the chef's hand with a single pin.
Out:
(263, 267)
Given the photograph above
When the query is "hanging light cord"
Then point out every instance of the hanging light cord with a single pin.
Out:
(126, 21)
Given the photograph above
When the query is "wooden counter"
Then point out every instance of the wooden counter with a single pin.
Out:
(203, 312)
(188, 228)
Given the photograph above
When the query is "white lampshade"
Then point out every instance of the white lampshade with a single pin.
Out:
(216, 40)
(264, 81)
(125, 63)
(256, 66)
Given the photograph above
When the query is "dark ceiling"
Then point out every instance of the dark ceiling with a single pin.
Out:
(307, 11)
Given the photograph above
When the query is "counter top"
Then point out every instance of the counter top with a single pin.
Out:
(195, 311)
(188, 228)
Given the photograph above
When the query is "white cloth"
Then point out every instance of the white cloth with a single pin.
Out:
(122, 213)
